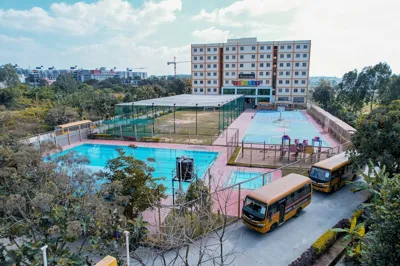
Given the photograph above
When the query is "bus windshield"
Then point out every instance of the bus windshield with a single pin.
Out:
(254, 209)
(320, 175)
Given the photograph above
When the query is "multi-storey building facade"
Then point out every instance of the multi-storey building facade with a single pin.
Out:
(275, 71)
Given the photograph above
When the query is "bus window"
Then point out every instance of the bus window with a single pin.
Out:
(255, 208)
(272, 210)
(319, 174)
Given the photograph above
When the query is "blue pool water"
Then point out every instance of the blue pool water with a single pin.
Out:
(164, 164)
(264, 128)
(240, 176)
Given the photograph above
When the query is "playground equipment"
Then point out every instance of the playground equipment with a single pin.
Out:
(285, 147)
(317, 146)
(300, 148)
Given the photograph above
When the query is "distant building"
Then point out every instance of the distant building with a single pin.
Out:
(270, 71)
(101, 74)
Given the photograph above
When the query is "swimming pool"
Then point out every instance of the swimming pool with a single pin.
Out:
(165, 159)
(264, 127)
(240, 176)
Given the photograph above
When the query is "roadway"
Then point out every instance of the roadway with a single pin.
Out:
(288, 241)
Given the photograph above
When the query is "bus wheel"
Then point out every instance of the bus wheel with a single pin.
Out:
(354, 177)
(298, 212)
(273, 227)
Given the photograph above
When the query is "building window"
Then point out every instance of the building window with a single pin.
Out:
(268, 56)
(208, 90)
(283, 98)
(268, 47)
(268, 64)
(201, 82)
(241, 65)
(262, 56)
(280, 73)
(253, 65)
(297, 46)
(233, 48)
(233, 56)
(279, 90)
(282, 47)
(267, 81)
(286, 90)
(296, 82)
(304, 55)
(280, 64)
(215, 57)
(195, 58)
(261, 47)
(261, 82)
(208, 49)
(215, 74)
(195, 74)
(195, 66)
(295, 90)
(289, 47)
(261, 73)
(267, 73)
(226, 65)
(305, 46)
(304, 64)
(241, 56)
(297, 64)
(201, 74)
(226, 48)
(215, 90)
(201, 49)
(195, 90)
(195, 50)
(226, 73)
(208, 66)
(233, 65)
(253, 48)
(303, 73)
(303, 82)
(280, 82)
(281, 55)
(287, 81)
(303, 90)
(215, 65)
(261, 64)
(252, 73)
(233, 73)
(214, 81)
(287, 73)
(227, 57)
(226, 82)
(201, 90)
(208, 81)
(201, 58)
(208, 57)
(215, 49)
(201, 66)
(288, 64)
(195, 82)
(297, 55)
(241, 48)
(253, 56)
(208, 73)
(296, 73)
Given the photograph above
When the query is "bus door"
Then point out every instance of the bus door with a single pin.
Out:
(282, 207)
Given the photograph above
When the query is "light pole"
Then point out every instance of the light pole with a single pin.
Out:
(196, 117)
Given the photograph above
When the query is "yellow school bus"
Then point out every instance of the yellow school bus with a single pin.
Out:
(331, 174)
(67, 128)
(269, 206)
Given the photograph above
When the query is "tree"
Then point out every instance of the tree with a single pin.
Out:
(61, 115)
(66, 83)
(137, 182)
(9, 75)
(373, 80)
(377, 138)
(390, 92)
(323, 93)
(349, 93)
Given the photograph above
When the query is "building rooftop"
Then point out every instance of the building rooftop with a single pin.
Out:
(187, 100)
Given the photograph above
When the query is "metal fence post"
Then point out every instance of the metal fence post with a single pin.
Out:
(242, 149)
(251, 154)
(264, 150)
(128, 257)
(239, 201)
(69, 139)
(44, 255)
(120, 132)
(263, 180)
(80, 136)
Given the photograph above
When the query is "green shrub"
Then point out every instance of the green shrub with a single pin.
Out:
(234, 155)
(150, 139)
(102, 136)
(324, 241)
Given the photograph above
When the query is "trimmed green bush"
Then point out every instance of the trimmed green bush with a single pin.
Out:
(102, 136)
(150, 139)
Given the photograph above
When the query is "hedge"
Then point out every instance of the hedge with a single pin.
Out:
(100, 136)
(323, 243)
(150, 139)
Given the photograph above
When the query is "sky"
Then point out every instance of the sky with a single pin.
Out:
(345, 34)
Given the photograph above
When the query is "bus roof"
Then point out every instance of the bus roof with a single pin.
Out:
(279, 188)
(75, 123)
(334, 162)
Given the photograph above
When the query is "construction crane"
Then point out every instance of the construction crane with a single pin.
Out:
(174, 62)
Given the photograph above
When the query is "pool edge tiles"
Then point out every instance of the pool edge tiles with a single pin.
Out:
(165, 158)
(234, 179)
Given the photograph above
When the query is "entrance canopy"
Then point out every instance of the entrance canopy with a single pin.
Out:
(186, 100)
